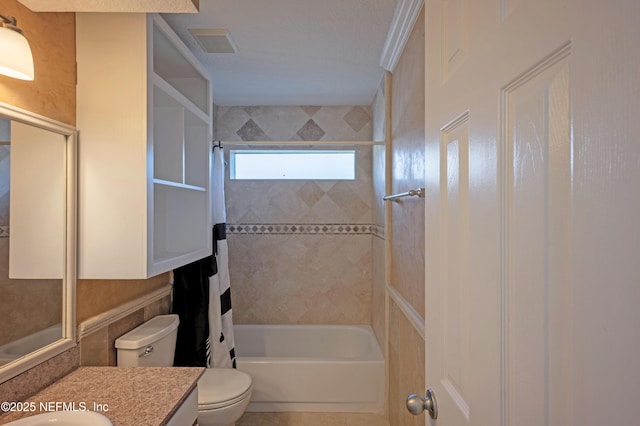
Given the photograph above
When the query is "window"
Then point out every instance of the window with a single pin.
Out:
(293, 164)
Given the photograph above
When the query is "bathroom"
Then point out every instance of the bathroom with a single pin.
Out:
(385, 256)
(343, 285)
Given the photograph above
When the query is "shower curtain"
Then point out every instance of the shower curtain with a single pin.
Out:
(202, 294)
(221, 341)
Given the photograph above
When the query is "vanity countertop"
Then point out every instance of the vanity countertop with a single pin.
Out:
(126, 395)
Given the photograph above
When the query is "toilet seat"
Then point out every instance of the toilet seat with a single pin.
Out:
(222, 387)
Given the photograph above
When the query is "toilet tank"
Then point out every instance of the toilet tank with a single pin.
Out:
(151, 344)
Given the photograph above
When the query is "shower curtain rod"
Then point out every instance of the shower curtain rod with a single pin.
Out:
(299, 143)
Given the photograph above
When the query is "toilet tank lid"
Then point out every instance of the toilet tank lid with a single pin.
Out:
(149, 332)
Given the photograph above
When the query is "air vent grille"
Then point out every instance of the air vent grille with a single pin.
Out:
(214, 41)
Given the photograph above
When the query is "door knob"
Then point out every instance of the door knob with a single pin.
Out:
(416, 404)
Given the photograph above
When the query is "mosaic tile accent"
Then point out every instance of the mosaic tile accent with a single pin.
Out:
(299, 228)
(378, 231)
(4, 231)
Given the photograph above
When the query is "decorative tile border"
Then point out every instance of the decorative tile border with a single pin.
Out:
(4, 231)
(299, 228)
(378, 231)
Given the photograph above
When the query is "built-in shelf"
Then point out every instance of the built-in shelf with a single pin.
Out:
(158, 174)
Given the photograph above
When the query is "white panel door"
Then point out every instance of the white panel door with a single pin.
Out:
(532, 288)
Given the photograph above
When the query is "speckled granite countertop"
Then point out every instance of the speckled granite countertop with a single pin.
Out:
(131, 395)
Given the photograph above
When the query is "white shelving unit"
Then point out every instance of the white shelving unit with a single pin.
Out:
(144, 115)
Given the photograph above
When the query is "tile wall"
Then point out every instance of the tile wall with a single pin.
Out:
(407, 239)
(98, 348)
(406, 367)
(378, 277)
(299, 251)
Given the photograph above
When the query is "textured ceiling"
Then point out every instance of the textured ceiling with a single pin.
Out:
(290, 52)
(293, 52)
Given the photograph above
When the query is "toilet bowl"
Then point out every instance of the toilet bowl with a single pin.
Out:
(223, 393)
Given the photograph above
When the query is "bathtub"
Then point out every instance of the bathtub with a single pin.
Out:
(25, 345)
(337, 368)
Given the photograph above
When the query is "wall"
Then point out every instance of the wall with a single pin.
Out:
(51, 36)
(300, 251)
(378, 246)
(406, 301)
(97, 348)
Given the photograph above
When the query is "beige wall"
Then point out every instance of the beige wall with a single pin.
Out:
(405, 356)
(407, 163)
(299, 251)
(378, 274)
(406, 367)
(98, 348)
(97, 296)
(51, 36)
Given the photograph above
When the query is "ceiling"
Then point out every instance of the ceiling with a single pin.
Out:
(292, 52)
(173, 6)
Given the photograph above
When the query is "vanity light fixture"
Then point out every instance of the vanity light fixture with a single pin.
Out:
(16, 59)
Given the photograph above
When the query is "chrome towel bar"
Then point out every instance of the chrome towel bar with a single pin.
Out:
(411, 193)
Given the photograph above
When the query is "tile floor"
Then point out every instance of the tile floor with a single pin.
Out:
(312, 419)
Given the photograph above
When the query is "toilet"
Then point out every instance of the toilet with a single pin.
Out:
(223, 393)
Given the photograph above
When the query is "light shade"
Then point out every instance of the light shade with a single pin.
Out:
(16, 59)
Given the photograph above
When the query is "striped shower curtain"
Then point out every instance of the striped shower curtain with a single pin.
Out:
(201, 293)
(221, 343)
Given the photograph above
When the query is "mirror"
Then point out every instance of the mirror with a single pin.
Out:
(37, 239)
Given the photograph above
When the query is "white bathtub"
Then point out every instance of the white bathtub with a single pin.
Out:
(337, 368)
(14, 350)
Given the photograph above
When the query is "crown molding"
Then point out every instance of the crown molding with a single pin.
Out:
(404, 18)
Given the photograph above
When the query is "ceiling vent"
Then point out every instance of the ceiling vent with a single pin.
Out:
(214, 41)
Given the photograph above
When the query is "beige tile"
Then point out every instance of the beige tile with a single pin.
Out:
(94, 348)
(295, 279)
(159, 307)
(310, 193)
(324, 419)
(408, 160)
(271, 419)
(406, 366)
(378, 288)
(310, 131)
(119, 328)
(357, 118)
(312, 419)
